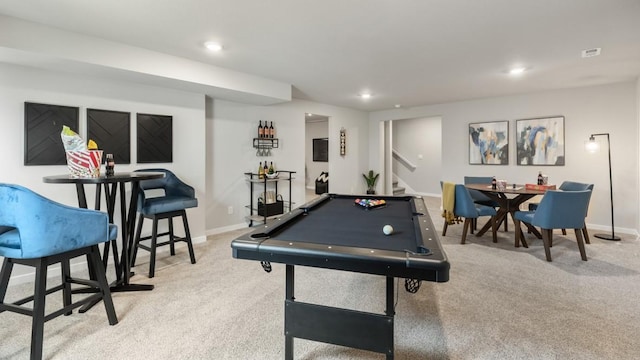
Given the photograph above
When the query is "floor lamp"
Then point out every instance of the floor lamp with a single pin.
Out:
(593, 146)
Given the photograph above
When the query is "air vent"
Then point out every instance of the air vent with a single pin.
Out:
(591, 52)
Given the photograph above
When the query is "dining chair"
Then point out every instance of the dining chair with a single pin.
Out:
(466, 208)
(478, 197)
(176, 198)
(570, 186)
(38, 232)
(557, 210)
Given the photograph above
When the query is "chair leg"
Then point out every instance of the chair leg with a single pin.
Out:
(188, 237)
(517, 231)
(444, 228)
(172, 246)
(474, 223)
(154, 242)
(134, 250)
(37, 322)
(583, 253)
(586, 234)
(467, 224)
(564, 231)
(494, 229)
(104, 286)
(547, 234)
(66, 285)
(5, 275)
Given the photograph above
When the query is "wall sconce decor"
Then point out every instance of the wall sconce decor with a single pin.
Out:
(343, 142)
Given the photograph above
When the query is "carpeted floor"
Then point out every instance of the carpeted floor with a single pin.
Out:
(501, 303)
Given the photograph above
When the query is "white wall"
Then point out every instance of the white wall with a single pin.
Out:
(608, 108)
(20, 84)
(315, 130)
(419, 141)
(230, 130)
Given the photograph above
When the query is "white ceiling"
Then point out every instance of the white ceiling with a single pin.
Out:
(408, 52)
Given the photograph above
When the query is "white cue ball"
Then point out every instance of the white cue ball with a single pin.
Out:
(387, 229)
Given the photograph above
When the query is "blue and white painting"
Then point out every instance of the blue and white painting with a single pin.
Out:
(489, 143)
(540, 141)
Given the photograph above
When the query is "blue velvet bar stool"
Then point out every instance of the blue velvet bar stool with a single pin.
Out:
(176, 198)
(38, 232)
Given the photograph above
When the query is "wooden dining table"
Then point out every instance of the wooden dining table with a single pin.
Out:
(509, 198)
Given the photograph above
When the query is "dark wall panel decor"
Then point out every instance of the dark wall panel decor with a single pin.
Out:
(42, 127)
(155, 138)
(321, 149)
(111, 131)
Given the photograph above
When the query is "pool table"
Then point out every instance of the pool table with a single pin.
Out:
(335, 232)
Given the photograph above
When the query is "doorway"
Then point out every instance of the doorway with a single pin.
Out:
(412, 158)
(316, 151)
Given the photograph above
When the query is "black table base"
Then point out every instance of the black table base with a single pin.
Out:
(345, 327)
(111, 184)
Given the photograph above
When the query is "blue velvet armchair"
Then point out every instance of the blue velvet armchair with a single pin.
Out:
(557, 210)
(465, 207)
(570, 186)
(480, 198)
(38, 232)
(176, 198)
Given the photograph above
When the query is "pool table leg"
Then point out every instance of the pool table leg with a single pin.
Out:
(288, 339)
(391, 311)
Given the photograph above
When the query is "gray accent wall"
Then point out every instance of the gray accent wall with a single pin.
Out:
(609, 108)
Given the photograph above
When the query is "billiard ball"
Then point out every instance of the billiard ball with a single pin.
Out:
(387, 229)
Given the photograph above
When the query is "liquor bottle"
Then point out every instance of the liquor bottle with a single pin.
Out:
(261, 129)
(540, 179)
(271, 169)
(494, 183)
(265, 170)
(272, 131)
(110, 165)
(260, 171)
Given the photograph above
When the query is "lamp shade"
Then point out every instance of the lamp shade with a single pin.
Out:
(592, 145)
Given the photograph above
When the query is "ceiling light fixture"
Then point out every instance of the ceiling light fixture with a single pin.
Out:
(397, 106)
(213, 46)
(517, 71)
(365, 95)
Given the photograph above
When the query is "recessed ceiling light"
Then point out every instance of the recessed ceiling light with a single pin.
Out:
(517, 71)
(309, 114)
(213, 46)
(365, 95)
(397, 105)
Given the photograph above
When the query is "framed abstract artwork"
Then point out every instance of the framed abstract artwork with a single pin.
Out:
(155, 138)
(489, 143)
(111, 130)
(42, 126)
(540, 141)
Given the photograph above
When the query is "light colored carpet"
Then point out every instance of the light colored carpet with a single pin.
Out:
(501, 303)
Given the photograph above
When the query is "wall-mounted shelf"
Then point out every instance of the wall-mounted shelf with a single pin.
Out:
(265, 143)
